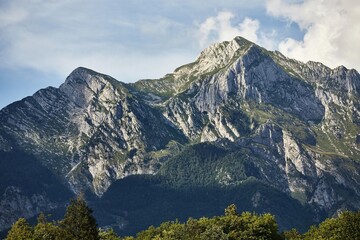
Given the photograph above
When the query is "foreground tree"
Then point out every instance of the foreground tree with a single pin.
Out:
(292, 234)
(231, 226)
(108, 234)
(345, 227)
(46, 230)
(20, 231)
(78, 222)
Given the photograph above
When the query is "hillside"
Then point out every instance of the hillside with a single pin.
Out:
(259, 128)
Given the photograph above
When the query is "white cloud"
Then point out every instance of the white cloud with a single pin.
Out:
(331, 30)
(249, 28)
(220, 28)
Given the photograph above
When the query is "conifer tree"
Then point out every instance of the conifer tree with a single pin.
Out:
(20, 230)
(78, 222)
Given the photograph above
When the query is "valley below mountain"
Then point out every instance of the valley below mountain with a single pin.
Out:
(240, 124)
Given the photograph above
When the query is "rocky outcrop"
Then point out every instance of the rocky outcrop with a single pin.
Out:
(300, 121)
(316, 179)
(318, 101)
(14, 204)
(91, 131)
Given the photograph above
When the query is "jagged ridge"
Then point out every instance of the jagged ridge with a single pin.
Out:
(298, 122)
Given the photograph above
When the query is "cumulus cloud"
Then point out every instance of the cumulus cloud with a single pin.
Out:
(331, 30)
(221, 28)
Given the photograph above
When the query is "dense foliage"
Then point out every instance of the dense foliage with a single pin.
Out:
(252, 226)
(230, 226)
(345, 227)
(202, 180)
(20, 231)
(78, 223)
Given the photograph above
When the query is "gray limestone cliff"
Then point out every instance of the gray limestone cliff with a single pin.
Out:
(300, 121)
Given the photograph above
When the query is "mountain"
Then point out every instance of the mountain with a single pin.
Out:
(238, 125)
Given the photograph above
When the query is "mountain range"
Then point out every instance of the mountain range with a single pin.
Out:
(240, 124)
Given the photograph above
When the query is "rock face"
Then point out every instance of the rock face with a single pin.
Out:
(14, 204)
(298, 121)
(90, 131)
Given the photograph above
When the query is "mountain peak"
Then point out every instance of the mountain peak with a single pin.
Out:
(216, 56)
(227, 47)
(81, 69)
(238, 114)
(83, 83)
(220, 54)
(81, 75)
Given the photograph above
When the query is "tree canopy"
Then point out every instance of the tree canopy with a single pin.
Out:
(344, 227)
(20, 230)
(230, 226)
(78, 223)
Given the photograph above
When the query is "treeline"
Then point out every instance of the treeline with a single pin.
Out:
(79, 223)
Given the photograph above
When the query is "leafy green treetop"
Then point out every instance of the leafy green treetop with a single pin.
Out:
(108, 234)
(345, 227)
(231, 210)
(46, 230)
(231, 226)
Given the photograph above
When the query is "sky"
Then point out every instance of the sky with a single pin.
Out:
(42, 41)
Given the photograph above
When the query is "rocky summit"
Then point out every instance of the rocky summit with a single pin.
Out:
(240, 124)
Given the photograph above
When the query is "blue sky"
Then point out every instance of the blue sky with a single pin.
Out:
(42, 41)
